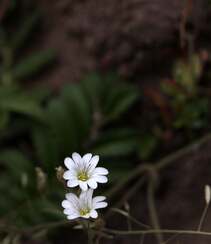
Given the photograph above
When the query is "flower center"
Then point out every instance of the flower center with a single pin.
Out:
(83, 176)
(84, 211)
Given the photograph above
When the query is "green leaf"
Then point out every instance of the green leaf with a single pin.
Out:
(22, 104)
(116, 148)
(40, 93)
(93, 87)
(62, 125)
(33, 64)
(79, 110)
(18, 166)
(46, 148)
(120, 99)
(193, 114)
(4, 119)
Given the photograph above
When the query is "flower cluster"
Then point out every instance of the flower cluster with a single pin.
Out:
(82, 172)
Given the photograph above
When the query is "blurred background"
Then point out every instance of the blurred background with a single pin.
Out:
(128, 80)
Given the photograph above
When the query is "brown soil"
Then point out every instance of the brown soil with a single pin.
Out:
(133, 37)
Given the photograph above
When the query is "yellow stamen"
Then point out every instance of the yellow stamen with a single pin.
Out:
(83, 176)
(84, 212)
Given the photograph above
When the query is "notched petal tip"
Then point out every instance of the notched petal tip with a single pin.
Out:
(76, 157)
(87, 157)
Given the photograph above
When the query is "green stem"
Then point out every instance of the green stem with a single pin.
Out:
(203, 217)
(152, 208)
(89, 233)
(153, 231)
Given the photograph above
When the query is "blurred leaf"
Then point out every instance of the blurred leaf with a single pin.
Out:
(21, 104)
(4, 119)
(46, 148)
(116, 147)
(93, 89)
(33, 64)
(109, 95)
(40, 93)
(193, 115)
(78, 109)
(62, 125)
(119, 99)
(16, 163)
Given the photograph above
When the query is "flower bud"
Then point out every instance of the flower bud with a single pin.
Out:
(59, 174)
(41, 179)
(207, 194)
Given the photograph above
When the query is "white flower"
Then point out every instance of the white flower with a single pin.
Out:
(83, 206)
(82, 171)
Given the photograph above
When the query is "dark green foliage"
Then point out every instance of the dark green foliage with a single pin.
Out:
(79, 120)
(12, 67)
(32, 64)
(87, 117)
(116, 142)
(189, 108)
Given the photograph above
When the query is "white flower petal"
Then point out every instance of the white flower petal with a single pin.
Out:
(72, 198)
(100, 171)
(89, 194)
(93, 162)
(87, 157)
(86, 194)
(69, 163)
(85, 199)
(83, 185)
(98, 199)
(101, 178)
(101, 205)
(86, 216)
(73, 216)
(82, 196)
(92, 183)
(77, 158)
(66, 204)
(69, 175)
(93, 214)
(69, 211)
(72, 183)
